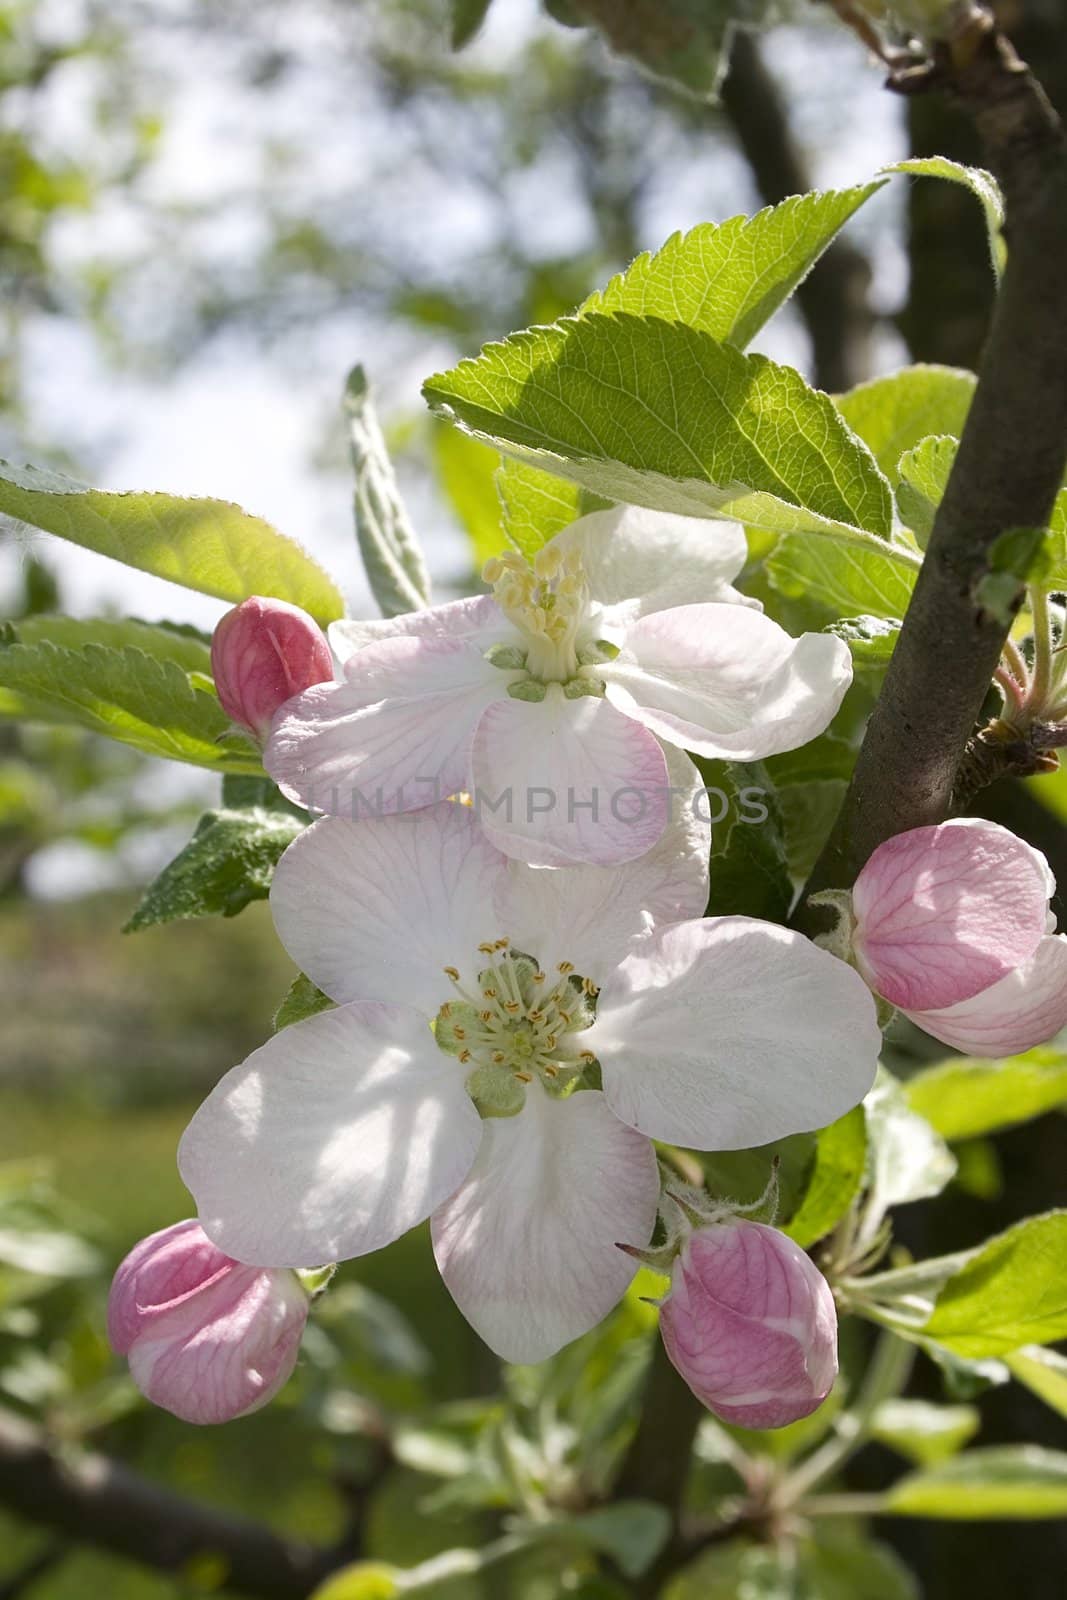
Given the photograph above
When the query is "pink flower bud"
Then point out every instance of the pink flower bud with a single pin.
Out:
(262, 654)
(951, 925)
(206, 1338)
(750, 1324)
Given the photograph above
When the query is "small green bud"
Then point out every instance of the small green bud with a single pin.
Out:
(507, 656)
(496, 1092)
(595, 654)
(527, 689)
(575, 688)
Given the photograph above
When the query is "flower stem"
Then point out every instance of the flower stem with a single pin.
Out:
(885, 1377)
(1041, 671)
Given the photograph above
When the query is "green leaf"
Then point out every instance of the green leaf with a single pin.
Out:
(682, 42)
(467, 18)
(840, 1160)
(166, 641)
(922, 1431)
(228, 863)
(305, 999)
(749, 874)
(536, 505)
(1010, 1292)
(364, 1580)
(982, 185)
(810, 784)
(871, 640)
(466, 471)
(895, 413)
(965, 1097)
(661, 415)
(207, 545)
(743, 1175)
(1018, 1481)
(1042, 1371)
(631, 1532)
(838, 1566)
(923, 472)
(909, 1161)
(727, 278)
(848, 576)
(393, 561)
(140, 699)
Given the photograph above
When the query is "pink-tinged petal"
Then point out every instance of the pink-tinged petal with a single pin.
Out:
(331, 1140)
(227, 1355)
(943, 912)
(590, 916)
(380, 907)
(527, 1246)
(726, 681)
(160, 1273)
(1016, 1013)
(393, 736)
(264, 652)
(727, 1032)
(479, 620)
(656, 558)
(750, 1324)
(558, 782)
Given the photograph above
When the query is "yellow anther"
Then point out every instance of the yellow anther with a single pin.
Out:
(464, 1056)
(453, 973)
(565, 967)
(487, 949)
(524, 1077)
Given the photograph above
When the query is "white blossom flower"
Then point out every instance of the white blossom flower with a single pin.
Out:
(548, 700)
(507, 1043)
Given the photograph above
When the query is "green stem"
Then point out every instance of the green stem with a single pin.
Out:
(1041, 671)
(885, 1377)
(843, 1505)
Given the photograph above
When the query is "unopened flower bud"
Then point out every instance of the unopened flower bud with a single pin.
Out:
(750, 1324)
(206, 1337)
(262, 654)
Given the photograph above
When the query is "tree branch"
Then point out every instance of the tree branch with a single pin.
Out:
(833, 298)
(1008, 469)
(100, 1502)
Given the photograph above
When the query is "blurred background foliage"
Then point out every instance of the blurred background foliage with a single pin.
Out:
(188, 187)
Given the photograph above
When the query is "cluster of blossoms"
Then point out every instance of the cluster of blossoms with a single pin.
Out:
(527, 996)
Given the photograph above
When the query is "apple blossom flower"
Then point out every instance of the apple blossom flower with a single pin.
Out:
(750, 1324)
(263, 652)
(552, 696)
(951, 924)
(507, 1043)
(206, 1337)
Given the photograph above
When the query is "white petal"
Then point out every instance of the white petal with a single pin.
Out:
(728, 1032)
(375, 910)
(393, 736)
(590, 916)
(727, 681)
(331, 1140)
(527, 1245)
(1013, 1014)
(655, 557)
(562, 781)
(478, 620)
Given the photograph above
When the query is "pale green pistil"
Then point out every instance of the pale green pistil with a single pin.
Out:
(518, 1025)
